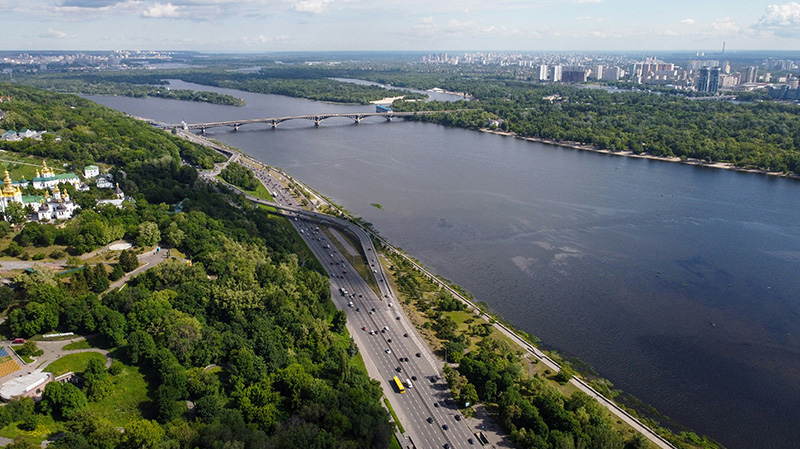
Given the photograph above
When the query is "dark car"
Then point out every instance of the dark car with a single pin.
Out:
(430, 420)
(405, 335)
(458, 417)
(399, 369)
(444, 426)
(419, 355)
(469, 440)
(435, 404)
(414, 378)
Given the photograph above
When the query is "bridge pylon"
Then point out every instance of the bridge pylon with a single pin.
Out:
(236, 127)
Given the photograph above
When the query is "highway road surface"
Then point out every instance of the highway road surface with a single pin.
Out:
(386, 339)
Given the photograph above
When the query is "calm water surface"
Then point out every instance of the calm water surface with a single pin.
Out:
(680, 284)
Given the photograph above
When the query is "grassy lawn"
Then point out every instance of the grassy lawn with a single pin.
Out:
(25, 358)
(358, 262)
(19, 166)
(394, 415)
(86, 343)
(128, 400)
(47, 426)
(76, 363)
(394, 444)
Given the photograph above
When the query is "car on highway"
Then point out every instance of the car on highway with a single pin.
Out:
(388, 351)
(419, 354)
(389, 340)
(436, 404)
(405, 335)
(469, 440)
(445, 427)
(458, 417)
(414, 378)
(430, 420)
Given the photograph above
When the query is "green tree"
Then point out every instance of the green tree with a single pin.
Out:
(99, 281)
(142, 434)
(29, 349)
(62, 400)
(15, 213)
(116, 273)
(128, 260)
(469, 395)
(148, 234)
(97, 381)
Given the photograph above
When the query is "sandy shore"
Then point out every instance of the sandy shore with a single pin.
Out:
(387, 100)
(689, 161)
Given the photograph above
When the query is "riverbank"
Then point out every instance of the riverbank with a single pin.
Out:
(438, 90)
(688, 161)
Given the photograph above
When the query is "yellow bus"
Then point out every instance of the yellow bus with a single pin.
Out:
(399, 384)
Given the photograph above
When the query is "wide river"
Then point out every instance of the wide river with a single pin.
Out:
(680, 284)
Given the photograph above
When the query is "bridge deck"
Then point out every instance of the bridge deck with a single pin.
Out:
(316, 118)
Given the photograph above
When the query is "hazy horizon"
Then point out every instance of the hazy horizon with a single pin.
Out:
(258, 26)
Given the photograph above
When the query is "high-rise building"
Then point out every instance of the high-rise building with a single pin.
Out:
(612, 73)
(556, 73)
(543, 72)
(708, 80)
(713, 80)
(702, 80)
(574, 74)
(748, 75)
(598, 72)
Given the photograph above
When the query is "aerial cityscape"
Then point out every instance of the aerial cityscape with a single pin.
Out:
(346, 224)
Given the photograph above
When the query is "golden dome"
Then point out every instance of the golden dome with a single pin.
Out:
(8, 188)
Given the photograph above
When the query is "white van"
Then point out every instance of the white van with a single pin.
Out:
(408, 383)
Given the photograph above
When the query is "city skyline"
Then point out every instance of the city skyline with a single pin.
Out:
(413, 25)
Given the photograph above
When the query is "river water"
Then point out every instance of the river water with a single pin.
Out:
(678, 283)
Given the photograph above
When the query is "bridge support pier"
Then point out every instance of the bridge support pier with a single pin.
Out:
(317, 121)
(274, 124)
(202, 130)
(236, 127)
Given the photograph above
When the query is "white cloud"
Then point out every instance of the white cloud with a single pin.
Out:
(261, 39)
(312, 6)
(161, 11)
(53, 34)
(725, 25)
(782, 20)
(689, 21)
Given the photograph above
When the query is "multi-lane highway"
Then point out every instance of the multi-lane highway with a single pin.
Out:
(388, 342)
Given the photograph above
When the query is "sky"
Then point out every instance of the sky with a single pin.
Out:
(398, 25)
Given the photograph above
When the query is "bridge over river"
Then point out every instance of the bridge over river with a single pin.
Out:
(316, 118)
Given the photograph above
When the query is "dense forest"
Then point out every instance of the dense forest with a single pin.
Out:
(293, 83)
(79, 85)
(245, 333)
(239, 176)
